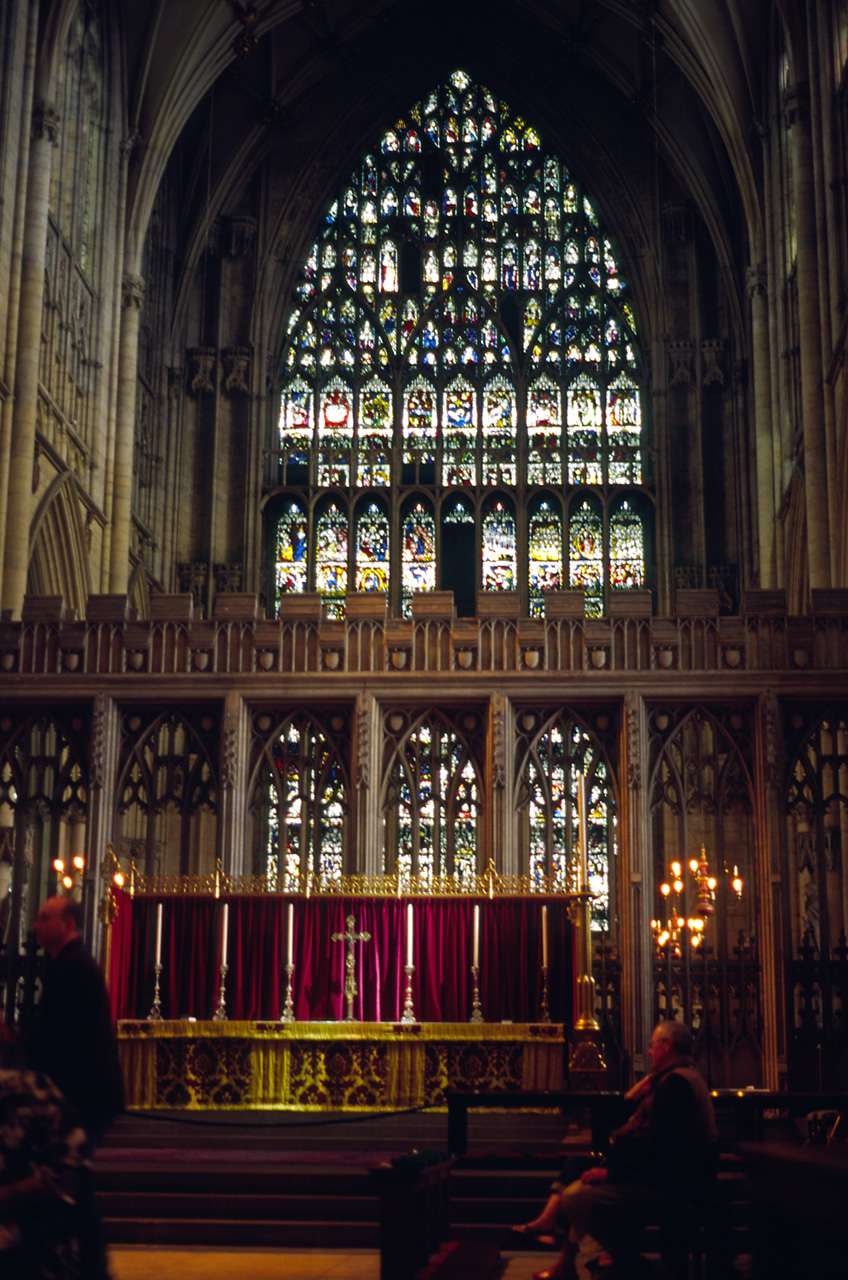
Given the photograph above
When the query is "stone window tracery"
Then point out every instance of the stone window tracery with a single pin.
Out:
(461, 323)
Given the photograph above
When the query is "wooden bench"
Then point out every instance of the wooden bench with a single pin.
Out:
(607, 1110)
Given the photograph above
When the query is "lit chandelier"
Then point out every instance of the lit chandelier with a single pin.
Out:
(677, 925)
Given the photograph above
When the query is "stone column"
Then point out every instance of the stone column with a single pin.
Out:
(232, 797)
(796, 103)
(45, 130)
(367, 752)
(132, 296)
(769, 889)
(766, 479)
(501, 843)
(636, 889)
(105, 743)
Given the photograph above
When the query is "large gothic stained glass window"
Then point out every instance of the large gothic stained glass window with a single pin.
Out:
(461, 324)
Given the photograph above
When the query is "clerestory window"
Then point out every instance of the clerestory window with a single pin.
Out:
(461, 401)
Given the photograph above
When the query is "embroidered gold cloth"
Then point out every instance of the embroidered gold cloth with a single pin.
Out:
(315, 1066)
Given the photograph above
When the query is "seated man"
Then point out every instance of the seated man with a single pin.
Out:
(657, 1159)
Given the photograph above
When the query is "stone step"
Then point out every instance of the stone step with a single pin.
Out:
(241, 1233)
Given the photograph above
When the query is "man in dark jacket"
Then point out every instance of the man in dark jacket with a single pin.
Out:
(72, 1037)
(72, 1040)
(657, 1160)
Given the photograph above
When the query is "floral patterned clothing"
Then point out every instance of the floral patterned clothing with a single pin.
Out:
(42, 1156)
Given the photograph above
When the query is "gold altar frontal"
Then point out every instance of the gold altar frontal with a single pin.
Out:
(317, 1066)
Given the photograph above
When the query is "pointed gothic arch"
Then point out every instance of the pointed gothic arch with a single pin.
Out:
(166, 797)
(432, 794)
(299, 798)
(555, 747)
(59, 560)
(461, 322)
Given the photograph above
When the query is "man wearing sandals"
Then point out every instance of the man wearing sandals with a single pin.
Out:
(657, 1160)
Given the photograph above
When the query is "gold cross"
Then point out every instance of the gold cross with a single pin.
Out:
(351, 937)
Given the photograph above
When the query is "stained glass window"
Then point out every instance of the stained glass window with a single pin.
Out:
(302, 803)
(461, 321)
(627, 548)
(372, 549)
(331, 560)
(586, 555)
(375, 435)
(545, 556)
(558, 752)
(499, 551)
(419, 554)
(291, 550)
(432, 802)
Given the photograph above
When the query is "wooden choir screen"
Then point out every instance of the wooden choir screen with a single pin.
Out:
(510, 946)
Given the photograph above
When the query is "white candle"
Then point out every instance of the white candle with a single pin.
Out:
(409, 934)
(476, 946)
(544, 935)
(583, 832)
(159, 933)
(290, 937)
(225, 915)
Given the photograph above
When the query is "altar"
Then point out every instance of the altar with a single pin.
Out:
(311, 1066)
(336, 1001)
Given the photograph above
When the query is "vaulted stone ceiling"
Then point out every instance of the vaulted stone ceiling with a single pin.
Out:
(640, 98)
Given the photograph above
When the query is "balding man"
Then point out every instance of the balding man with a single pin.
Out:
(72, 1038)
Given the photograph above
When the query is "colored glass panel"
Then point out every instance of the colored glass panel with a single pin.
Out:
(627, 548)
(375, 435)
(499, 549)
(499, 464)
(584, 419)
(295, 424)
(459, 434)
(291, 559)
(418, 554)
(335, 433)
(372, 549)
(331, 543)
(544, 431)
(545, 546)
(586, 556)
(419, 423)
(624, 432)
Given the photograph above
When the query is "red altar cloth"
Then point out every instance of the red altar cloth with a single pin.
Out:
(510, 951)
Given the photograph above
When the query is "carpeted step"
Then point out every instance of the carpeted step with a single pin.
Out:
(239, 1233)
(198, 1207)
(463, 1261)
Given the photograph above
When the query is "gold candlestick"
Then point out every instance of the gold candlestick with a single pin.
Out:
(220, 1014)
(408, 1011)
(476, 1011)
(544, 1013)
(288, 1008)
(155, 1014)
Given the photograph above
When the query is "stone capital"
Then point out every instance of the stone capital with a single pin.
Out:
(242, 236)
(681, 356)
(756, 280)
(129, 144)
(236, 363)
(712, 350)
(132, 292)
(796, 104)
(45, 122)
(203, 362)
